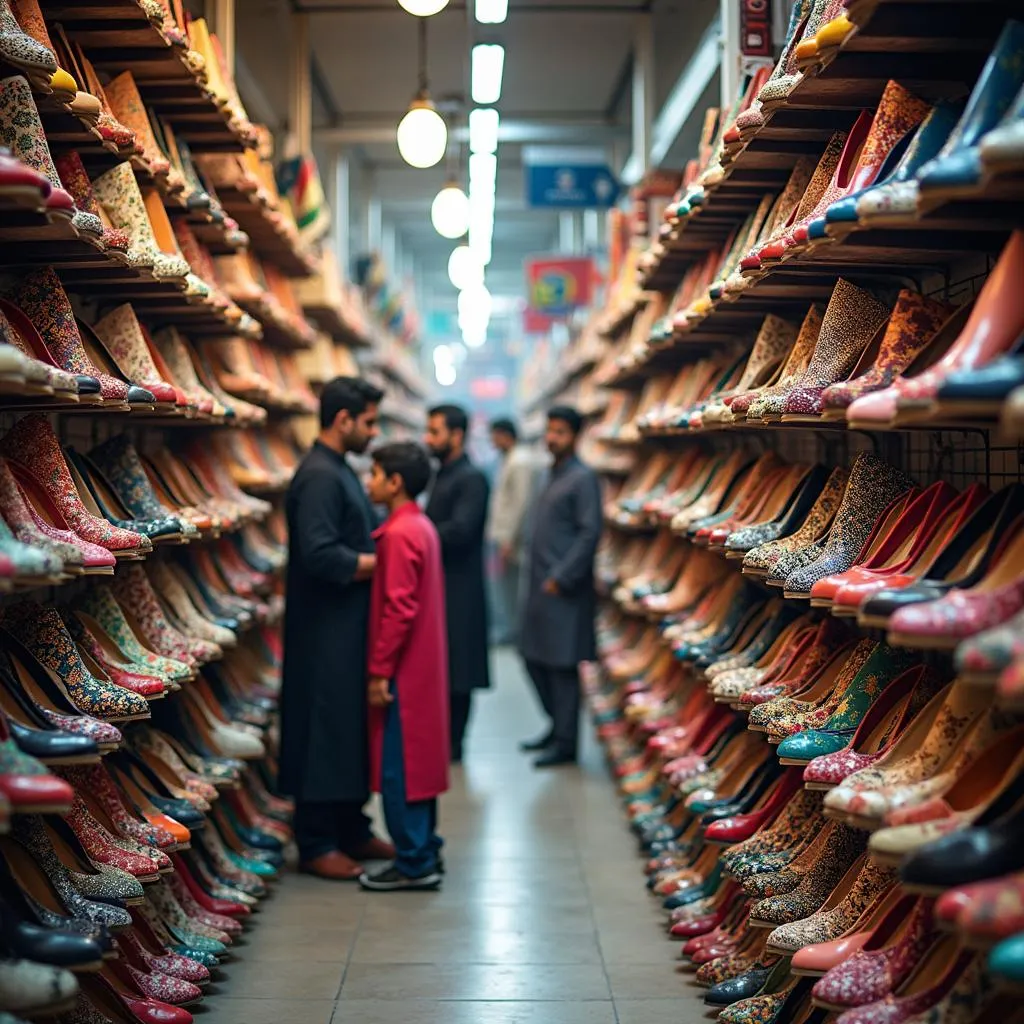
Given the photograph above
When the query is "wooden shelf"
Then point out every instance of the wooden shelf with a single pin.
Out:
(935, 53)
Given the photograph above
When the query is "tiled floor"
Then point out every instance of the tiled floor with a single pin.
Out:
(543, 918)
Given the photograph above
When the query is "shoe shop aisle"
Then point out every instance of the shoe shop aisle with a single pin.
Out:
(540, 920)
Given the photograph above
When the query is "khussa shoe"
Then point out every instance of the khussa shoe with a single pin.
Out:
(774, 557)
(898, 115)
(957, 170)
(126, 104)
(862, 884)
(48, 639)
(118, 191)
(88, 219)
(21, 130)
(913, 322)
(961, 613)
(775, 339)
(41, 297)
(895, 199)
(1002, 149)
(792, 371)
(32, 443)
(886, 720)
(889, 954)
(853, 318)
(872, 485)
(21, 51)
(880, 671)
(983, 783)
(121, 334)
(753, 118)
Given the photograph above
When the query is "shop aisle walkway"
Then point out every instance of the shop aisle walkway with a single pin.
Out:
(543, 918)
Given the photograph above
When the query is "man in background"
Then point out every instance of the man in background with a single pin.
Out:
(558, 623)
(506, 523)
(324, 746)
(458, 508)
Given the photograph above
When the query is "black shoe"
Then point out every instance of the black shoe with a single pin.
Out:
(392, 880)
(554, 758)
(532, 746)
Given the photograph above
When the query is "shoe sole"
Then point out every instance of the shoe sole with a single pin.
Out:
(427, 884)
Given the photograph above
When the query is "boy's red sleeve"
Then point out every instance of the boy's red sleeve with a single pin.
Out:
(399, 573)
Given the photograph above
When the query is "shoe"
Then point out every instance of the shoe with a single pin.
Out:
(372, 849)
(532, 746)
(963, 561)
(27, 987)
(21, 131)
(981, 391)
(334, 866)
(1002, 149)
(892, 129)
(392, 880)
(1006, 961)
(912, 324)
(889, 954)
(555, 758)
(41, 297)
(895, 199)
(962, 613)
(872, 486)
(118, 192)
(957, 170)
(852, 319)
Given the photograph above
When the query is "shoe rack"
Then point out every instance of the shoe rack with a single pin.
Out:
(810, 684)
(161, 326)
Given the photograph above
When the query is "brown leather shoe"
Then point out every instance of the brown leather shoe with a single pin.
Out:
(373, 849)
(334, 866)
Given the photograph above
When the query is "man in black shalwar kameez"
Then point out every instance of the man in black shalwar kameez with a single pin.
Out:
(558, 623)
(458, 509)
(324, 748)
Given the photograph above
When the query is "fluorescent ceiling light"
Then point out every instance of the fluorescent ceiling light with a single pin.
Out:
(491, 12)
(475, 337)
(483, 130)
(488, 65)
(483, 173)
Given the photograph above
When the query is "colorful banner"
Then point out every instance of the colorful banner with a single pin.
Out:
(558, 285)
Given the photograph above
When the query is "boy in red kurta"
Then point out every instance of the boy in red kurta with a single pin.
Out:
(408, 672)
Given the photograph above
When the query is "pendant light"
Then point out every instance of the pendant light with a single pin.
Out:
(422, 134)
(449, 213)
(423, 8)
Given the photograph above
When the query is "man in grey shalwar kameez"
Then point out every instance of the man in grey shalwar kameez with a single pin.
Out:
(558, 622)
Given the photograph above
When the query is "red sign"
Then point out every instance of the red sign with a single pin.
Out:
(756, 28)
(536, 323)
(557, 285)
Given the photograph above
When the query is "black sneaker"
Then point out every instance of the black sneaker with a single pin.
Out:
(392, 880)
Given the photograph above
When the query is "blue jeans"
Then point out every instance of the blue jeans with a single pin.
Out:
(411, 823)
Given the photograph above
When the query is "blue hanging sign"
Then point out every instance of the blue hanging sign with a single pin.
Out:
(571, 187)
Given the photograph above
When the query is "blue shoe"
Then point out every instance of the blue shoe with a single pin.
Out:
(957, 170)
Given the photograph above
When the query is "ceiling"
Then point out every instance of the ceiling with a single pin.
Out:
(567, 80)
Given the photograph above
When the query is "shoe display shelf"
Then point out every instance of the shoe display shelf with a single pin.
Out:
(333, 304)
(812, 639)
(173, 66)
(149, 425)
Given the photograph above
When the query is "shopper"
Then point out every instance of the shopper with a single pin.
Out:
(558, 623)
(324, 758)
(408, 671)
(505, 527)
(458, 508)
